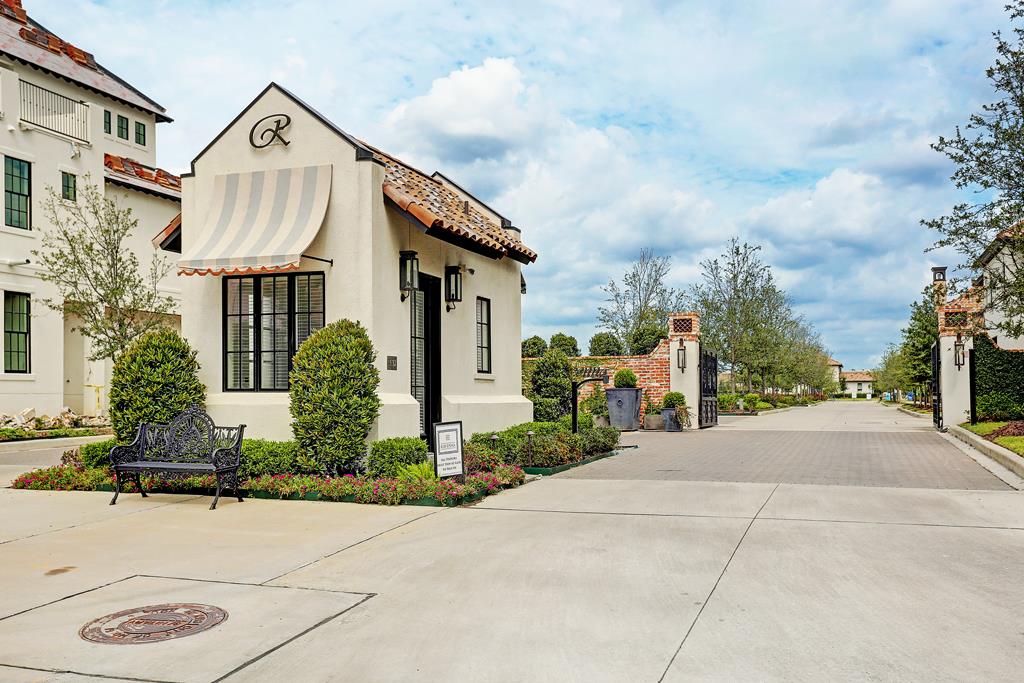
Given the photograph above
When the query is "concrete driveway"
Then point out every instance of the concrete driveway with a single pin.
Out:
(565, 579)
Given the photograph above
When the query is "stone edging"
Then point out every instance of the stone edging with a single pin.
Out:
(912, 413)
(1003, 456)
(36, 444)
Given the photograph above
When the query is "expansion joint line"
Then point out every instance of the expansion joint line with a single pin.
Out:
(717, 581)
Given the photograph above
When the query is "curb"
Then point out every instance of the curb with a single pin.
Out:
(759, 412)
(39, 444)
(1003, 456)
(912, 413)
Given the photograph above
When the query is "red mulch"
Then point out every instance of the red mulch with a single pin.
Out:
(1011, 429)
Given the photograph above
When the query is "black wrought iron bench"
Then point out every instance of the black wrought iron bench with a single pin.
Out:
(191, 444)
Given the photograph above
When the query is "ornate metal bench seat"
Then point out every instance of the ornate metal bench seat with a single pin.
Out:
(191, 444)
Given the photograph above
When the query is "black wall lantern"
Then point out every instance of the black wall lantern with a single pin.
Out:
(452, 286)
(408, 273)
(959, 355)
(681, 356)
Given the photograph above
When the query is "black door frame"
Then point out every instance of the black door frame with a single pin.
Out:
(430, 286)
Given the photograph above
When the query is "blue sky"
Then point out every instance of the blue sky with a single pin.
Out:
(604, 127)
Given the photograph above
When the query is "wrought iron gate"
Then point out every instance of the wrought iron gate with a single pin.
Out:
(707, 411)
(936, 385)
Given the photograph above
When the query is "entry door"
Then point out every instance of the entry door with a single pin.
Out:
(425, 366)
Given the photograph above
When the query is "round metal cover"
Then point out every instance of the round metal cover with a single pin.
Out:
(153, 624)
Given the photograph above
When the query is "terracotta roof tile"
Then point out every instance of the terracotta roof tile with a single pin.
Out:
(131, 170)
(857, 376)
(167, 231)
(436, 206)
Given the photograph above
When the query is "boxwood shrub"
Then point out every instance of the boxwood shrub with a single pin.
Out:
(388, 456)
(625, 379)
(96, 453)
(153, 380)
(334, 395)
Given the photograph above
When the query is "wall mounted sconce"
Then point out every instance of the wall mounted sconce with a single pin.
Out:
(408, 273)
(452, 286)
(959, 355)
(681, 357)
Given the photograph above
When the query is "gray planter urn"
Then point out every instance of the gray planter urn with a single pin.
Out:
(624, 408)
(670, 418)
(653, 421)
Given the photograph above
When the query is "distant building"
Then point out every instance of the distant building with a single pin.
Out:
(858, 383)
(837, 369)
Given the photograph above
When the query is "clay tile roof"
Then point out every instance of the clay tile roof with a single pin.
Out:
(858, 376)
(130, 172)
(833, 361)
(436, 206)
(168, 230)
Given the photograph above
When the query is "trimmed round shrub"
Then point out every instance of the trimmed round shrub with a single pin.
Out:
(673, 399)
(388, 456)
(625, 379)
(728, 402)
(154, 379)
(763, 405)
(261, 456)
(750, 401)
(334, 402)
(96, 453)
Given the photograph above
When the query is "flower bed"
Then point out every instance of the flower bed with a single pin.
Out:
(445, 492)
(1007, 434)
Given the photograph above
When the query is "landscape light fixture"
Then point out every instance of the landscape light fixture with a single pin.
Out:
(452, 286)
(958, 352)
(681, 357)
(408, 273)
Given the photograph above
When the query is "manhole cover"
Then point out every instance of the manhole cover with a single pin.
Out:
(153, 624)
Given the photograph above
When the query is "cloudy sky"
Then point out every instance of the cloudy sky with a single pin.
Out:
(603, 127)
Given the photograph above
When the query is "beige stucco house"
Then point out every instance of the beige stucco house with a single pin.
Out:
(65, 117)
(858, 383)
(288, 223)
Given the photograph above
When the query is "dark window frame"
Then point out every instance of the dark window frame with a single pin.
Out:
(484, 349)
(69, 190)
(140, 133)
(122, 131)
(9, 194)
(108, 124)
(291, 313)
(10, 332)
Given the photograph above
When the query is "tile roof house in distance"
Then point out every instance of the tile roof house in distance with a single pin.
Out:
(286, 212)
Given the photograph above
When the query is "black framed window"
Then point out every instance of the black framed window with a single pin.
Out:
(106, 121)
(266, 318)
(140, 133)
(122, 127)
(68, 186)
(17, 193)
(483, 334)
(17, 329)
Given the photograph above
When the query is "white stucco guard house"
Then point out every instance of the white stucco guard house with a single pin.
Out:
(289, 223)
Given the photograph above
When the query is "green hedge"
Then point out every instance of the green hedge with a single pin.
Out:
(552, 443)
(96, 453)
(388, 456)
(999, 381)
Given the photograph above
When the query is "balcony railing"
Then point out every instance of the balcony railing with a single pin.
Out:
(54, 112)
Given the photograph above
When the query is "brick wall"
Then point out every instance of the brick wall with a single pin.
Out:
(652, 371)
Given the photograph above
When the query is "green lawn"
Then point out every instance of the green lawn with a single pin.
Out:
(984, 428)
(1014, 443)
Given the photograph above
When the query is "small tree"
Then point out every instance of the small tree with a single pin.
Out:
(334, 402)
(646, 338)
(605, 344)
(534, 347)
(101, 286)
(551, 386)
(153, 380)
(565, 343)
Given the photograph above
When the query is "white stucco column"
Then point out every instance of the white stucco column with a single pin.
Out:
(954, 382)
(684, 333)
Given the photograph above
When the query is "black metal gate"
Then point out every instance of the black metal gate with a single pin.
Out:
(936, 385)
(707, 411)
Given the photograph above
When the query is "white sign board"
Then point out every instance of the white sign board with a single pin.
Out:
(448, 449)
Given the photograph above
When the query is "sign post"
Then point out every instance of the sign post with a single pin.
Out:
(448, 449)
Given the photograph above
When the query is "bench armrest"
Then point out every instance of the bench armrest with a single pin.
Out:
(229, 457)
(127, 453)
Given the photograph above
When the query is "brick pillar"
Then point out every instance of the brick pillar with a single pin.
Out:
(684, 335)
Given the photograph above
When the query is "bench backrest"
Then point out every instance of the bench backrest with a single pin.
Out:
(190, 437)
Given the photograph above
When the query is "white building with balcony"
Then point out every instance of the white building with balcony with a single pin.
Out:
(64, 119)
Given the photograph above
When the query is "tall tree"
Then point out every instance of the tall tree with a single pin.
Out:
(102, 288)
(566, 343)
(605, 344)
(921, 332)
(643, 297)
(988, 153)
(534, 347)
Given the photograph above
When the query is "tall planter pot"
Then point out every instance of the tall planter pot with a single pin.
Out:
(671, 419)
(624, 408)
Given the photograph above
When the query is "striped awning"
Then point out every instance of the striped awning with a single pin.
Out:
(259, 222)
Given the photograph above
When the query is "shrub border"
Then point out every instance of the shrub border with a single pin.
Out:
(548, 471)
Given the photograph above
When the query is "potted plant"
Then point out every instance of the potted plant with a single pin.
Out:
(670, 407)
(652, 415)
(624, 401)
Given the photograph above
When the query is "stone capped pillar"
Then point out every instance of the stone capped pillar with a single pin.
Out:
(684, 333)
